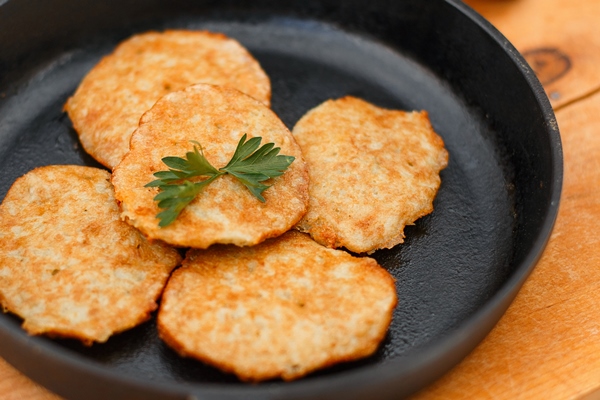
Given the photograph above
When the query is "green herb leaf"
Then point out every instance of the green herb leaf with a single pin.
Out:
(249, 164)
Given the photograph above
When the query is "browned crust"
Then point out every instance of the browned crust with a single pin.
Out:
(282, 309)
(111, 98)
(225, 211)
(68, 265)
(372, 172)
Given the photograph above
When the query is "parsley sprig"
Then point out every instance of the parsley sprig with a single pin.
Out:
(249, 164)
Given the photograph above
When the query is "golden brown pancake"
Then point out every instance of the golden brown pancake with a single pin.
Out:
(68, 265)
(372, 172)
(110, 100)
(225, 211)
(283, 308)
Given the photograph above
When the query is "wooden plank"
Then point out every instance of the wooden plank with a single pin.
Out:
(547, 346)
(559, 38)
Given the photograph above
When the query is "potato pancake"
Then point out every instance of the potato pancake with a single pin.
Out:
(108, 104)
(283, 308)
(68, 265)
(225, 211)
(372, 172)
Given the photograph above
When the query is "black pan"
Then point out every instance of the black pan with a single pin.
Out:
(460, 266)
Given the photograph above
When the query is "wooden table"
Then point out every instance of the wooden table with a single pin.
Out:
(547, 346)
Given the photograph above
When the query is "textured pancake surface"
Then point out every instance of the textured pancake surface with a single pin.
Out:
(372, 172)
(110, 100)
(283, 308)
(225, 211)
(68, 265)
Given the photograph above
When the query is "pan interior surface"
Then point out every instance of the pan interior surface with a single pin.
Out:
(452, 262)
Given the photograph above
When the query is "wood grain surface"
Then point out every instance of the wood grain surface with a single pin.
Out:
(547, 346)
(559, 38)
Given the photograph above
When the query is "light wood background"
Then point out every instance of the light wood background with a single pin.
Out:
(547, 346)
